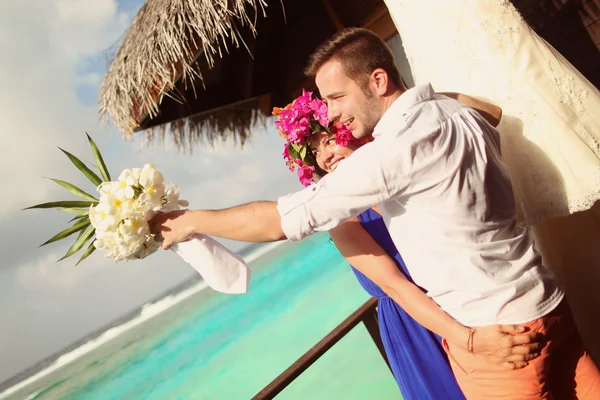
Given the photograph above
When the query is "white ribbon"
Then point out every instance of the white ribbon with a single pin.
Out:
(221, 269)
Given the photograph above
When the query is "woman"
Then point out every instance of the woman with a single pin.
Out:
(416, 355)
(550, 129)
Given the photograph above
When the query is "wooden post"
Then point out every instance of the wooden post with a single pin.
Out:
(333, 15)
(372, 324)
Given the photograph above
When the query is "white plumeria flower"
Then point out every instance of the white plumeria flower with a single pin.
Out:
(119, 206)
(127, 180)
(107, 187)
(151, 197)
(136, 172)
(172, 201)
(103, 217)
(106, 240)
(107, 235)
(124, 249)
(153, 187)
(150, 176)
(145, 250)
(134, 230)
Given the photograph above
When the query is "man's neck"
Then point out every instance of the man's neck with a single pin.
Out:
(391, 98)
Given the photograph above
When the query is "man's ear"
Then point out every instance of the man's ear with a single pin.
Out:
(379, 81)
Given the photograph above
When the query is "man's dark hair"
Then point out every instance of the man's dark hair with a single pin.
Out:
(360, 52)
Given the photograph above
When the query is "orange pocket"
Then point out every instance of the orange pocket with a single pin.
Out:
(453, 359)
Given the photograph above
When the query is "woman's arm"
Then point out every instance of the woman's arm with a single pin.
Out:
(492, 113)
(362, 252)
(497, 343)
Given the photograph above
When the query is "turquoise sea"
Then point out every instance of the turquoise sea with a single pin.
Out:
(199, 344)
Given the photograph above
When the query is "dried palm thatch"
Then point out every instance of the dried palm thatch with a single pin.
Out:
(161, 48)
(234, 121)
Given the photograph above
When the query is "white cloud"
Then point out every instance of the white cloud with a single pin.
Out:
(50, 47)
(46, 273)
(83, 27)
(39, 109)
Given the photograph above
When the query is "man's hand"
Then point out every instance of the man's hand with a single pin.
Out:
(510, 346)
(172, 227)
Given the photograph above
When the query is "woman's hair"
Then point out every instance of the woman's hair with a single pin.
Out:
(318, 170)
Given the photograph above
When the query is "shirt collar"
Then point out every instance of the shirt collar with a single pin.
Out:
(399, 107)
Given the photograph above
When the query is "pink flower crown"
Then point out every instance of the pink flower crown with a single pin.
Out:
(303, 117)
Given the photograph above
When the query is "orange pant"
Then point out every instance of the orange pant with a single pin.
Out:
(563, 371)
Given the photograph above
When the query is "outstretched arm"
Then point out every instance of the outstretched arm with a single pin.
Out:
(373, 174)
(258, 221)
(498, 343)
(492, 113)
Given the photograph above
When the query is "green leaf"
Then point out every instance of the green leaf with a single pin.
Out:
(65, 205)
(101, 165)
(87, 253)
(315, 126)
(79, 243)
(293, 152)
(81, 232)
(82, 167)
(74, 189)
(84, 215)
(303, 152)
(78, 211)
(68, 232)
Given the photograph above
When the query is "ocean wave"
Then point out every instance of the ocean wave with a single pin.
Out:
(262, 250)
(33, 395)
(147, 311)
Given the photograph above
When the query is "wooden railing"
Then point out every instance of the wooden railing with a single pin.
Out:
(367, 314)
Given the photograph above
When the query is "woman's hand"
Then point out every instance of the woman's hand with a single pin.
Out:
(510, 346)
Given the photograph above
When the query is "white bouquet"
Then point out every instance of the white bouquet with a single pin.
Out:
(117, 222)
(121, 216)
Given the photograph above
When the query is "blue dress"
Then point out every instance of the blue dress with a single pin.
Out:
(416, 355)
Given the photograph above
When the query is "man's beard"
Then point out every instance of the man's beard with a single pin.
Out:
(371, 113)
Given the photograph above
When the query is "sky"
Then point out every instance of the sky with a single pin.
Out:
(54, 54)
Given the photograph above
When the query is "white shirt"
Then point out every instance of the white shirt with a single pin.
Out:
(435, 171)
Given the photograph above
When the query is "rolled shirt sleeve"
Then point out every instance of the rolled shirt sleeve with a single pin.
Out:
(372, 174)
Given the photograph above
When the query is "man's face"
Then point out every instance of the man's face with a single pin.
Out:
(356, 107)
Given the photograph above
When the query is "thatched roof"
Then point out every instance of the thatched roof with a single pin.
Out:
(161, 48)
(202, 69)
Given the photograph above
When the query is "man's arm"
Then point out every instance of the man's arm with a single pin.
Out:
(358, 183)
(374, 173)
(492, 113)
(252, 222)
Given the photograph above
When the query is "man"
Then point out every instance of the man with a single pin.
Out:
(435, 171)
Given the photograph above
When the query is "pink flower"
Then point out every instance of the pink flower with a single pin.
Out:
(294, 124)
(343, 135)
(298, 130)
(319, 109)
(305, 174)
(303, 102)
(288, 159)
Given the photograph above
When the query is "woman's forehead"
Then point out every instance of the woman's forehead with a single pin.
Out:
(319, 138)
